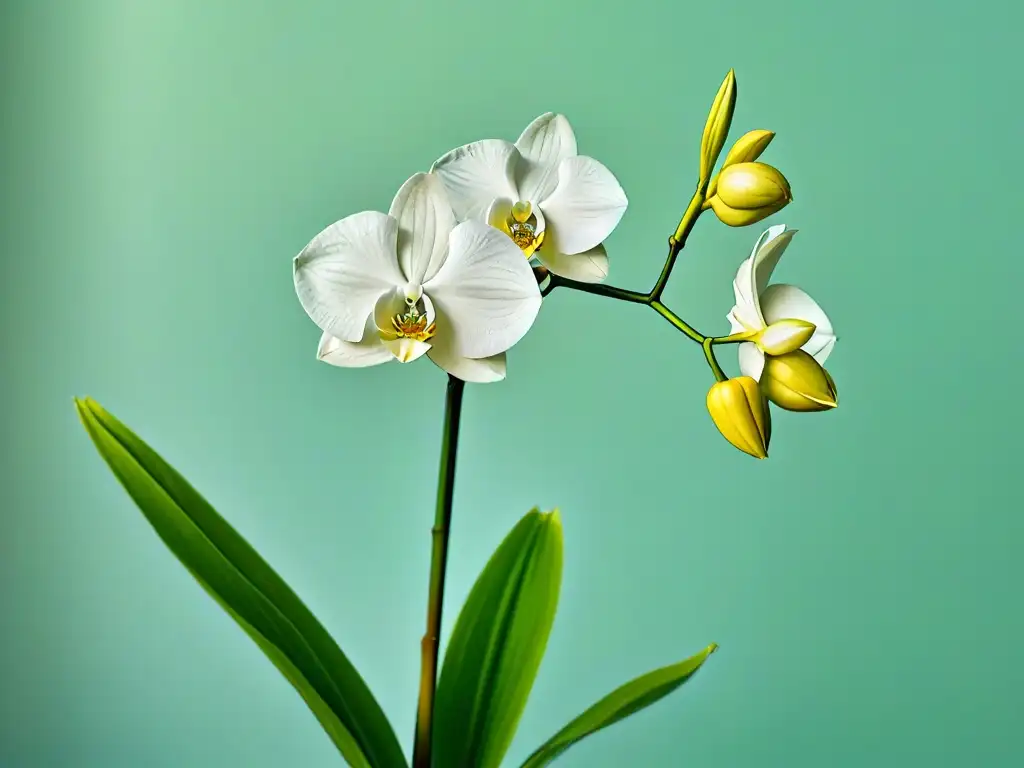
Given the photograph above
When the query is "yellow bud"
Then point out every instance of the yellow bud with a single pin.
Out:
(717, 127)
(796, 382)
(741, 414)
(749, 192)
(753, 185)
(784, 336)
(737, 217)
(747, 149)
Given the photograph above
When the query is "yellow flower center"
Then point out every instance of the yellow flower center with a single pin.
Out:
(413, 324)
(521, 226)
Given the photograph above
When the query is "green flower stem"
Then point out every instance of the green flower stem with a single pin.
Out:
(652, 298)
(421, 755)
(598, 289)
(633, 297)
(709, 354)
(677, 322)
(678, 239)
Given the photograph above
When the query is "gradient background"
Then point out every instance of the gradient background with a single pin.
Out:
(163, 162)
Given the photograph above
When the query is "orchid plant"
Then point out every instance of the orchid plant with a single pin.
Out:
(457, 271)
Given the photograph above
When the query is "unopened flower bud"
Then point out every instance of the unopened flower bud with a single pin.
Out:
(747, 149)
(740, 411)
(784, 336)
(753, 185)
(736, 217)
(796, 381)
(717, 127)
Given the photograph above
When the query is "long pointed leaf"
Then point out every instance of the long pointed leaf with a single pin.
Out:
(624, 701)
(497, 646)
(251, 592)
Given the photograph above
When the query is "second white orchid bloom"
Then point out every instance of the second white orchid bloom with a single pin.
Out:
(412, 282)
(760, 305)
(557, 206)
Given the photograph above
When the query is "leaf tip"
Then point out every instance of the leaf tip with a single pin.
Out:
(81, 408)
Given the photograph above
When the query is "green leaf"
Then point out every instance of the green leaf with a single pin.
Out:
(251, 592)
(619, 704)
(497, 646)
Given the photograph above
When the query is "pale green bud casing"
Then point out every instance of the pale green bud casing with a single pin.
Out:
(716, 130)
(797, 382)
(785, 336)
(747, 149)
(740, 411)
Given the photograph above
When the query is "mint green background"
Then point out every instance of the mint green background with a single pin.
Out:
(162, 163)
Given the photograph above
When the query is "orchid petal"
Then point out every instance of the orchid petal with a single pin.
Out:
(767, 254)
(485, 294)
(478, 371)
(425, 220)
(781, 301)
(406, 350)
(499, 212)
(751, 360)
(585, 207)
(340, 274)
(352, 354)
(753, 275)
(477, 173)
(587, 267)
(542, 146)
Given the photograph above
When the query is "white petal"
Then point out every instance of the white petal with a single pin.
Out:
(821, 354)
(585, 207)
(341, 273)
(352, 354)
(743, 317)
(781, 301)
(587, 267)
(483, 371)
(751, 360)
(768, 252)
(544, 144)
(425, 220)
(477, 173)
(485, 294)
(406, 350)
(754, 272)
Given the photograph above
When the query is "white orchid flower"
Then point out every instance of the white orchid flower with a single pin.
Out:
(759, 305)
(556, 205)
(412, 282)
